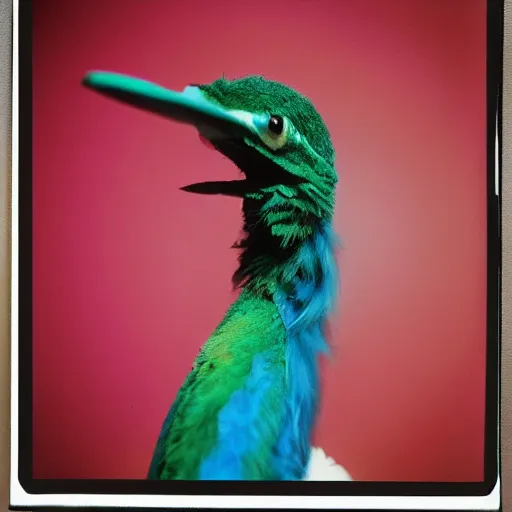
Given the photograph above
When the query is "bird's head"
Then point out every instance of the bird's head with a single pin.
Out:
(272, 133)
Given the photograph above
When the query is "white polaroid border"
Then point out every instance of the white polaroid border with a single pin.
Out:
(19, 498)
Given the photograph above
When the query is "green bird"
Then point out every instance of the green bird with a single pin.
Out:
(247, 409)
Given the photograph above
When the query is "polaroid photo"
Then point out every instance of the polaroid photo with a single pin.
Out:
(256, 254)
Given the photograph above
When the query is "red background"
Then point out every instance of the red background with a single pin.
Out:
(131, 275)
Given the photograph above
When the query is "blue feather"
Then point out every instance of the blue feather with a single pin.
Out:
(238, 435)
(304, 313)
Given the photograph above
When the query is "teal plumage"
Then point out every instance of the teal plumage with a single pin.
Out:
(247, 409)
(238, 371)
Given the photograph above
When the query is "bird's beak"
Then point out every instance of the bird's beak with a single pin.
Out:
(189, 106)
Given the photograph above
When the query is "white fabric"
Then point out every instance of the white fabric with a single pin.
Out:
(322, 468)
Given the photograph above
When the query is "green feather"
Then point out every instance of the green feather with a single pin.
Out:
(252, 325)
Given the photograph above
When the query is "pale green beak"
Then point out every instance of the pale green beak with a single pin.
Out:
(192, 107)
(189, 106)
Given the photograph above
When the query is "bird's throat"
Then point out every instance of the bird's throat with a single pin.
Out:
(305, 271)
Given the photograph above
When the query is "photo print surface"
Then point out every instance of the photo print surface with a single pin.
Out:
(360, 130)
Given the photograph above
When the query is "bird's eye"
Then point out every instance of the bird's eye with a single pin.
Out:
(276, 125)
(276, 133)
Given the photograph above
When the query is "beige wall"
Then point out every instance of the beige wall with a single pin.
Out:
(5, 165)
(5, 170)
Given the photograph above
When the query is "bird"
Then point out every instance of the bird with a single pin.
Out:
(247, 409)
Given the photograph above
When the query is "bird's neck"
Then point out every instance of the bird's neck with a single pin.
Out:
(304, 274)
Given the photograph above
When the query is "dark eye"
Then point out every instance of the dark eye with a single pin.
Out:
(275, 135)
(276, 125)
